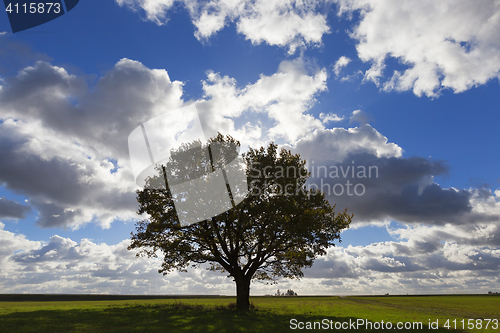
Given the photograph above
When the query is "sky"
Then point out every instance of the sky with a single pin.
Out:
(409, 88)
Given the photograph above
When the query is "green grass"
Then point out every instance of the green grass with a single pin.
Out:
(269, 314)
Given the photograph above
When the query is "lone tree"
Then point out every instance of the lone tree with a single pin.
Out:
(276, 231)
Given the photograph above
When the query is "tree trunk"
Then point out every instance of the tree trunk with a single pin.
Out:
(243, 293)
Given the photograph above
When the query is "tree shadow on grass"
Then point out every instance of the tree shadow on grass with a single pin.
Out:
(176, 317)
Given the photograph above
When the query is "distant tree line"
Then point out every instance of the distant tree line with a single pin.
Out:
(289, 292)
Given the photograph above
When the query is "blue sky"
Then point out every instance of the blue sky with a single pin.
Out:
(412, 88)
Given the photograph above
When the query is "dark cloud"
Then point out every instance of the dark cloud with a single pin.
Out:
(101, 117)
(56, 216)
(357, 169)
(33, 175)
(58, 249)
(56, 187)
(396, 188)
(11, 209)
(58, 138)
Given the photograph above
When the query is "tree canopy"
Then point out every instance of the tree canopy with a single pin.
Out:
(278, 229)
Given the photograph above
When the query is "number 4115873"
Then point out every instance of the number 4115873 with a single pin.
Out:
(34, 8)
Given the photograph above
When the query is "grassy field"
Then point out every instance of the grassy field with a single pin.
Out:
(269, 314)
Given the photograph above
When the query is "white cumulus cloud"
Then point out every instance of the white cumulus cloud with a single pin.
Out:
(341, 63)
(448, 44)
(289, 23)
